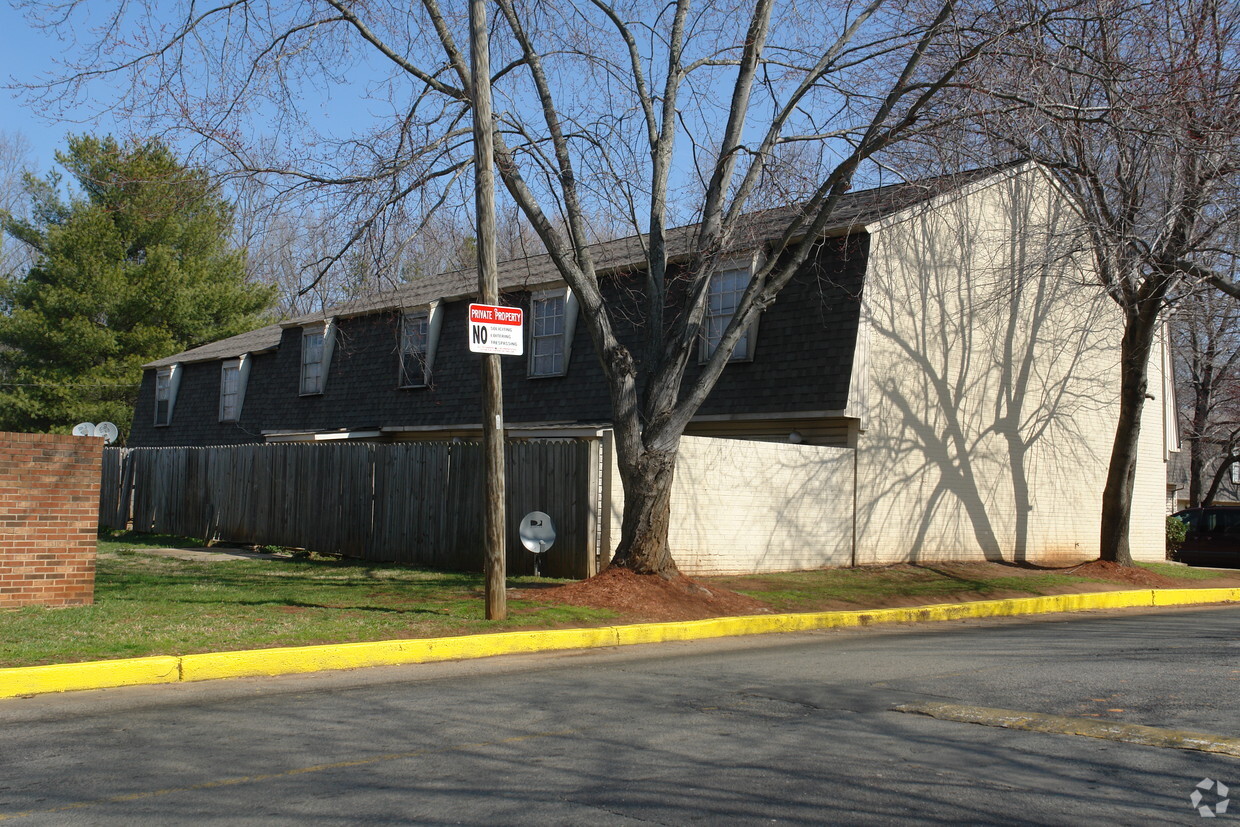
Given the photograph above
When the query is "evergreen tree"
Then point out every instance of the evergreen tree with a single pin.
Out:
(134, 266)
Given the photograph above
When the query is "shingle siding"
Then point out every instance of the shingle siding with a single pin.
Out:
(806, 341)
(742, 507)
(802, 362)
(195, 416)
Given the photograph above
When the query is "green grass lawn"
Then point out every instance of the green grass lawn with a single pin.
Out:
(152, 605)
(149, 605)
(866, 587)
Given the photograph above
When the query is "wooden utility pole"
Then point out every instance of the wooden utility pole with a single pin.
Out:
(488, 290)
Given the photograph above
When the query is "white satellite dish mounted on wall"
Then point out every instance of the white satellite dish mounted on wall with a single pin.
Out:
(84, 429)
(537, 534)
(108, 431)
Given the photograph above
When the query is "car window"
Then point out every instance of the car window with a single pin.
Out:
(1209, 523)
(1229, 523)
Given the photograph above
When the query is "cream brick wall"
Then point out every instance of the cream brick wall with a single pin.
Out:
(1147, 528)
(992, 388)
(741, 506)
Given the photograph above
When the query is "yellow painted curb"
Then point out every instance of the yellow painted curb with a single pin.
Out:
(386, 653)
(65, 677)
(1181, 597)
(285, 661)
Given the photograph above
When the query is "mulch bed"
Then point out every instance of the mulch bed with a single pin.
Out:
(1131, 575)
(652, 597)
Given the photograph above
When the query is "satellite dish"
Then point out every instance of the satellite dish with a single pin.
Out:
(84, 429)
(537, 533)
(108, 431)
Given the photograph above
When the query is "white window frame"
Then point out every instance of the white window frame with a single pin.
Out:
(167, 383)
(721, 306)
(241, 366)
(557, 344)
(327, 330)
(432, 317)
(228, 395)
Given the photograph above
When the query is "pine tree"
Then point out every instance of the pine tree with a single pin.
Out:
(134, 266)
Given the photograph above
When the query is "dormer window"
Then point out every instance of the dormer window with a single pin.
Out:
(311, 361)
(414, 341)
(722, 298)
(230, 385)
(553, 317)
(316, 356)
(419, 336)
(163, 397)
(547, 352)
(234, 375)
(167, 380)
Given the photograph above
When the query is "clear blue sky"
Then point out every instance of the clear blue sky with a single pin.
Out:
(26, 53)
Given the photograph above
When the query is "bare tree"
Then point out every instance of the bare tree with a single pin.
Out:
(656, 115)
(1206, 334)
(14, 164)
(287, 245)
(1134, 107)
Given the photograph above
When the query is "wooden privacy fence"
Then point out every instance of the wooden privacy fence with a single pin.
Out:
(417, 502)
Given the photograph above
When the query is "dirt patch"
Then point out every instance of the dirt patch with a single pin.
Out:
(651, 597)
(1132, 575)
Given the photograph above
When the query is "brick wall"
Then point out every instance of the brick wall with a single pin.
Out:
(742, 506)
(993, 371)
(49, 505)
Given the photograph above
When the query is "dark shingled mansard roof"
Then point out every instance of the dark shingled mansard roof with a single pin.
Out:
(853, 212)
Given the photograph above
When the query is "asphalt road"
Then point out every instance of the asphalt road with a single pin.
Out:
(794, 729)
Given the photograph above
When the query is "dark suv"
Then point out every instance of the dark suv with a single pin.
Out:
(1213, 536)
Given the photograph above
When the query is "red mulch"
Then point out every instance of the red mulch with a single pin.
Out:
(653, 597)
(1132, 575)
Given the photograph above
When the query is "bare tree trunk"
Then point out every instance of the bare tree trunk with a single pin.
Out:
(1139, 329)
(1196, 443)
(1196, 466)
(647, 481)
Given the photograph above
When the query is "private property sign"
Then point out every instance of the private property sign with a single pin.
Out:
(495, 329)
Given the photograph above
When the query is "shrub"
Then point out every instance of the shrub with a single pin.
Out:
(1177, 531)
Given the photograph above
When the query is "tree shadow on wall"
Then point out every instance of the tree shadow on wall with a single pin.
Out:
(988, 350)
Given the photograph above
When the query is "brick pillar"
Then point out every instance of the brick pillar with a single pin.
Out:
(49, 513)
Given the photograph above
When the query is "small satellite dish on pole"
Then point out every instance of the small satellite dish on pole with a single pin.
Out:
(108, 431)
(537, 534)
(84, 429)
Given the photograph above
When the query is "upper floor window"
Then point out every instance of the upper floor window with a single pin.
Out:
(230, 388)
(166, 382)
(414, 350)
(163, 397)
(547, 349)
(314, 358)
(722, 298)
(234, 375)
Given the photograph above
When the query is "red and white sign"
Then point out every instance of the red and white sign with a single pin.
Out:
(496, 329)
